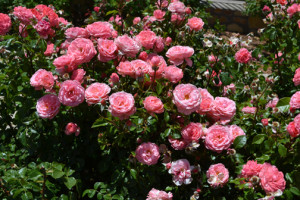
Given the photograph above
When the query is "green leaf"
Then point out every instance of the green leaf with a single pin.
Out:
(133, 173)
(96, 185)
(57, 174)
(283, 104)
(166, 116)
(258, 139)
(99, 122)
(282, 150)
(89, 192)
(295, 191)
(225, 78)
(158, 88)
(70, 182)
(240, 141)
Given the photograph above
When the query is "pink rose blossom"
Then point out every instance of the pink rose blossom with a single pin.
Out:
(100, 29)
(118, 20)
(65, 45)
(42, 79)
(153, 105)
(249, 110)
(78, 75)
(48, 106)
(62, 21)
(277, 56)
(159, 45)
(181, 171)
(192, 132)
(265, 122)
(266, 9)
(291, 129)
(22, 30)
(107, 50)
(147, 153)
(65, 63)
(218, 138)
(156, 61)
(42, 11)
(147, 39)
(128, 46)
(155, 194)
(206, 103)
(292, 9)
(296, 78)
(223, 110)
(169, 41)
(162, 3)
(297, 122)
(229, 88)
(82, 49)
(23, 14)
(126, 68)
(173, 74)
(217, 175)
(50, 50)
(76, 32)
(177, 7)
(195, 24)
(295, 101)
(71, 93)
(243, 56)
(159, 15)
(178, 144)
(236, 131)
(271, 179)
(272, 103)
(250, 169)
(136, 20)
(178, 54)
(140, 68)
(97, 93)
(96, 9)
(72, 128)
(143, 55)
(44, 29)
(121, 105)
(187, 98)
(188, 11)
(114, 79)
(282, 2)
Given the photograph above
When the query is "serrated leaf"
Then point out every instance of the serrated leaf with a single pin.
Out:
(240, 141)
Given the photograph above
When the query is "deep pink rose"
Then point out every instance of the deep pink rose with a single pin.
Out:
(243, 56)
(250, 169)
(187, 98)
(218, 138)
(265, 122)
(143, 55)
(192, 132)
(266, 8)
(206, 103)
(42, 79)
(249, 110)
(159, 15)
(217, 175)
(195, 24)
(177, 7)
(159, 44)
(72, 128)
(136, 20)
(78, 75)
(108, 50)
(97, 9)
(291, 129)
(181, 171)
(147, 153)
(100, 29)
(48, 106)
(295, 101)
(236, 131)
(5, 23)
(178, 144)
(297, 122)
(178, 54)
(155, 194)
(44, 29)
(128, 46)
(82, 49)
(97, 93)
(173, 74)
(147, 39)
(156, 61)
(153, 105)
(76, 32)
(271, 179)
(71, 93)
(121, 105)
(223, 110)
(23, 14)
(296, 78)
(65, 63)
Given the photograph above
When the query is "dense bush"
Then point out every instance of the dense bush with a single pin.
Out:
(145, 102)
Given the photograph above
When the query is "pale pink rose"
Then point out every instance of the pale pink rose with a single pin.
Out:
(181, 171)
(50, 49)
(187, 98)
(295, 101)
(76, 32)
(22, 30)
(271, 179)
(218, 138)
(206, 103)
(78, 75)
(217, 175)
(62, 21)
(177, 7)
(107, 50)
(178, 54)
(140, 68)
(159, 45)
(136, 20)
(265, 122)
(42, 79)
(229, 88)
(153, 105)
(282, 2)
(96, 9)
(126, 68)
(192, 132)
(236, 131)
(114, 79)
(291, 129)
(159, 15)
(121, 105)
(156, 61)
(223, 110)
(178, 144)
(251, 168)
(266, 9)
(72, 128)
(169, 41)
(173, 74)
(155, 194)
(243, 56)
(147, 39)
(48, 106)
(249, 110)
(71, 93)
(195, 24)
(65, 63)
(23, 14)
(292, 9)
(297, 122)
(97, 93)
(44, 29)
(272, 103)
(147, 153)
(100, 29)
(296, 78)
(82, 49)
(128, 46)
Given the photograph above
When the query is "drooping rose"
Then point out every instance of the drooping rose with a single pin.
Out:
(48, 106)
(217, 175)
(71, 93)
(218, 138)
(147, 153)
(97, 93)
(121, 105)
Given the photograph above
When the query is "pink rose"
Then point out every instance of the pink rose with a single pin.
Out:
(107, 50)
(126, 68)
(71, 93)
(100, 29)
(143, 55)
(114, 79)
(121, 105)
(295, 101)
(218, 138)
(23, 14)
(44, 29)
(22, 30)
(136, 20)
(42, 79)
(42, 11)
(147, 153)
(97, 93)
(48, 106)
(187, 98)
(188, 11)
(243, 56)
(292, 9)
(206, 103)
(229, 88)
(291, 129)
(72, 128)
(272, 103)
(153, 105)
(178, 54)
(223, 110)
(155, 194)
(62, 21)
(178, 144)
(250, 169)
(173, 74)
(147, 39)
(50, 50)
(177, 7)
(296, 78)
(82, 49)
(265, 122)
(96, 9)
(162, 3)
(76, 32)
(78, 75)
(168, 41)
(217, 175)
(271, 179)
(282, 2)
(195, 24)
(127, 46)
(236, 131)
(266, 9)
(65, 45)
(159, 45)
(297, 122)
(159, 15)
(181, 171)
(140, 68)
(65, 63)
(192, 132)
(249, 110)
(156, 61)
